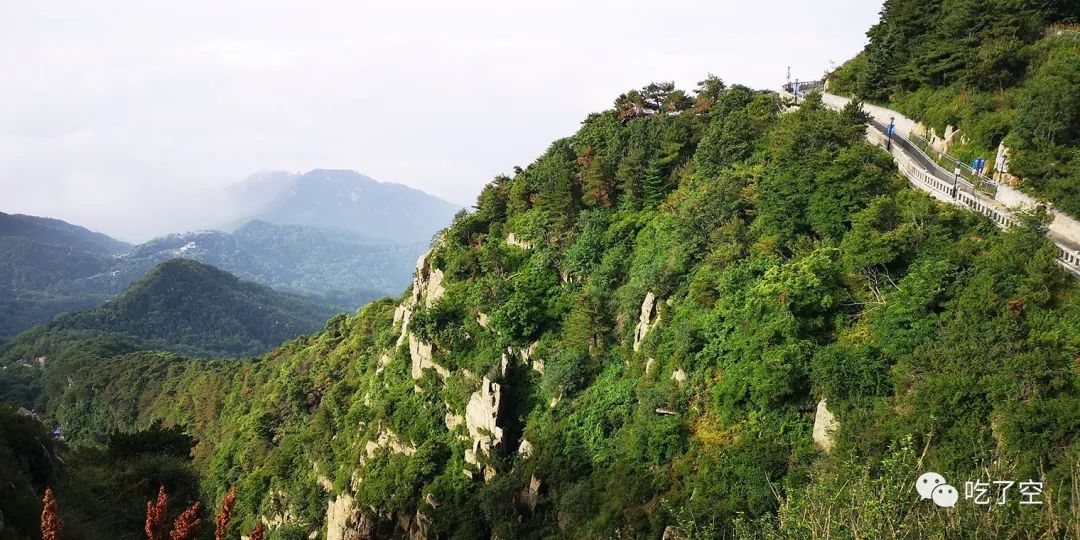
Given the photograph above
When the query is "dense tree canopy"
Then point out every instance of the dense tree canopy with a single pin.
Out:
(790, 263)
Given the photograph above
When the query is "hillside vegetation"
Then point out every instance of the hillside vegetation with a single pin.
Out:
(39, 257)
(44, 273)
(189, 307)
(1006, 70)
(690, 275)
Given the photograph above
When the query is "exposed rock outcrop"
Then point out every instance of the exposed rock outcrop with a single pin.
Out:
(825, 425)
(452, 420)
(481, 419)
(525, 448)
(421, 354)
(678, 376)
(530, 495)
(344, 521)
(415, 527)
(387, 439)
(427, 288)
(516, 242)
(402, 315)
(646, 320)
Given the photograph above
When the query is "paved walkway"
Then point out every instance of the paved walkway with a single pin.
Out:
(924, 173)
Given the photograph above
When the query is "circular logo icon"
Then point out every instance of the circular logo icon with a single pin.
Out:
(945, 496)
(926, 484)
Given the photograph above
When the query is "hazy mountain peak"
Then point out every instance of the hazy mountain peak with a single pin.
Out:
(348, 200)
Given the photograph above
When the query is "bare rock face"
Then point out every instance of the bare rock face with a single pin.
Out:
(646, 320)
(525, 448)
(427, 282)
(344, 521)
(387, 439)
(531, 494)
(402, 315)
(530, 358)
(452, 420)
(421, 354)
(427, 288)
(516, 242)
(825, 425)
(415, 527)
(481, 419)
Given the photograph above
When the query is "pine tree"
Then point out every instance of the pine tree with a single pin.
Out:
(51, 525)
(629, 176)
(596, 188)
(225, 514)
(186, 524)
(155, 516)
(655, 184)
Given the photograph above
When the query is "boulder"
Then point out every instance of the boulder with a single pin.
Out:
(678, 376)
(387, 439)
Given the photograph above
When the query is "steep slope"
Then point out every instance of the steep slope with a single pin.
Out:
(189, 307)
(342, 199)
(40, 258)
(996, 80)
(695, 317)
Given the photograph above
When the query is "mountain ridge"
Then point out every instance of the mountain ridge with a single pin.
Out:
(188, 307)
(346, 199)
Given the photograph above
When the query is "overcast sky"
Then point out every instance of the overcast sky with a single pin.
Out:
(126, 116)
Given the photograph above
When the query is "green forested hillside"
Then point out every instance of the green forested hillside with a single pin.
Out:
(54, 232)
(194, 308)
(39, 259)
(1005, 70)
(48, 267)
(665, 301)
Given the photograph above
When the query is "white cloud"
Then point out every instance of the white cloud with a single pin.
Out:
(122, 115)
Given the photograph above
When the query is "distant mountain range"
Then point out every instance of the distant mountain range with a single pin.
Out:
(348, 200)
(340, 265)
(59, 234)
(192, 308)
(336, 236)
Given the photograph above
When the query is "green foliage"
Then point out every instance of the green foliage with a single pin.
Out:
(789, 263)
(193, 308)
(999, 71)
(28, 464)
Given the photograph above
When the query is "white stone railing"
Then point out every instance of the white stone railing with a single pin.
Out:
(1064, 231)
